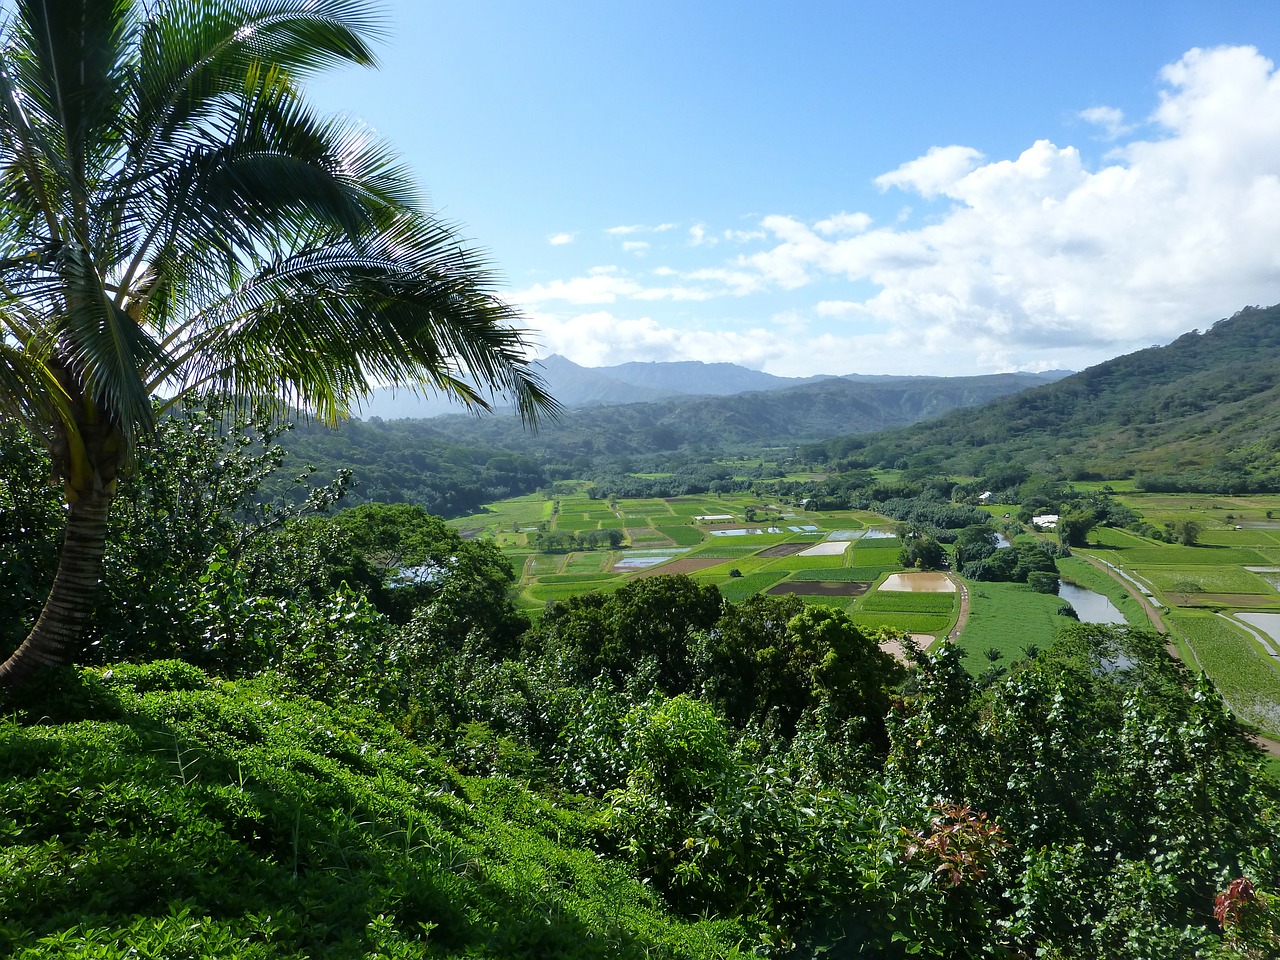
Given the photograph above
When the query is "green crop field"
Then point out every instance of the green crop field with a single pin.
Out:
(1173, 555)
(589, 562)
(865, 556)
(867, 574)
(542, 564)
(906, 622)
(1245, 676)
(724, 550)
(737, 589)
(907, 602)
(1204, 579)
(1006, 618)
(1115, 537)
(585, 577)
(797, 562)
(841, 574)
(683, 536)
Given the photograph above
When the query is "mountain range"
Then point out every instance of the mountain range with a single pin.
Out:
(576, 387)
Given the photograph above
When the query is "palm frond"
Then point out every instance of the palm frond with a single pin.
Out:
(410, 306)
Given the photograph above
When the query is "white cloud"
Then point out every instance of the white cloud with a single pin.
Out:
(560, 239)
(786, 346)
(635, 246)
(604, 285)
(1110, 119)
(698, 236)
(631, 228)
(1033, 261)
(843, 223)
(933, 173)
(1042, 257)
(601, 339)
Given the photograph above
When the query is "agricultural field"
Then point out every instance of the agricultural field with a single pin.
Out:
(832, 558)
(839, 559)
(1247, 678)
(1205, 590)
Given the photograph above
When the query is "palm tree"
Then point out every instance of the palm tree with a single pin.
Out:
(174, 218)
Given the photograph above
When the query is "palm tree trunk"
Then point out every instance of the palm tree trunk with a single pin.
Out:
(61, 626)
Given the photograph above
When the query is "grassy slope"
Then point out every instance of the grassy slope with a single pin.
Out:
(157, 810)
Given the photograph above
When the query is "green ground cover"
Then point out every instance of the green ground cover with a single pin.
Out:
(906, 622)
(906, 602)
(1205, 579)
(178, 816)
(737, 589)
(1245, 676)
(1008, 617)
(682, 536)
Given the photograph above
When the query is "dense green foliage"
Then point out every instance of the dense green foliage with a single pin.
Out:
(155, 811)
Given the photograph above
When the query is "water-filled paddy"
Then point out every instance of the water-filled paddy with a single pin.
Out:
(860, 535)
(643, 559)
(829, 548)
(919, 583)
(1268, 623)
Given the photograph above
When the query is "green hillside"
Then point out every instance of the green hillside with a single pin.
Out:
(171, 814)
(1198, 414)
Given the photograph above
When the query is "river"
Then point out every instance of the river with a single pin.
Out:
(1089, 605)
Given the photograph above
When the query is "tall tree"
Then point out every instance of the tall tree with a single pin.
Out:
(175, 218)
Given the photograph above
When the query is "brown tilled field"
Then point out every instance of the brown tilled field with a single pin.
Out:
(820, 588)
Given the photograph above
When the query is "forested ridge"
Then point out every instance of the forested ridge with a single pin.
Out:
(453, 464)
(1197, 414)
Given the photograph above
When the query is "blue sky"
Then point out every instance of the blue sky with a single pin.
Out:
(914, 188)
